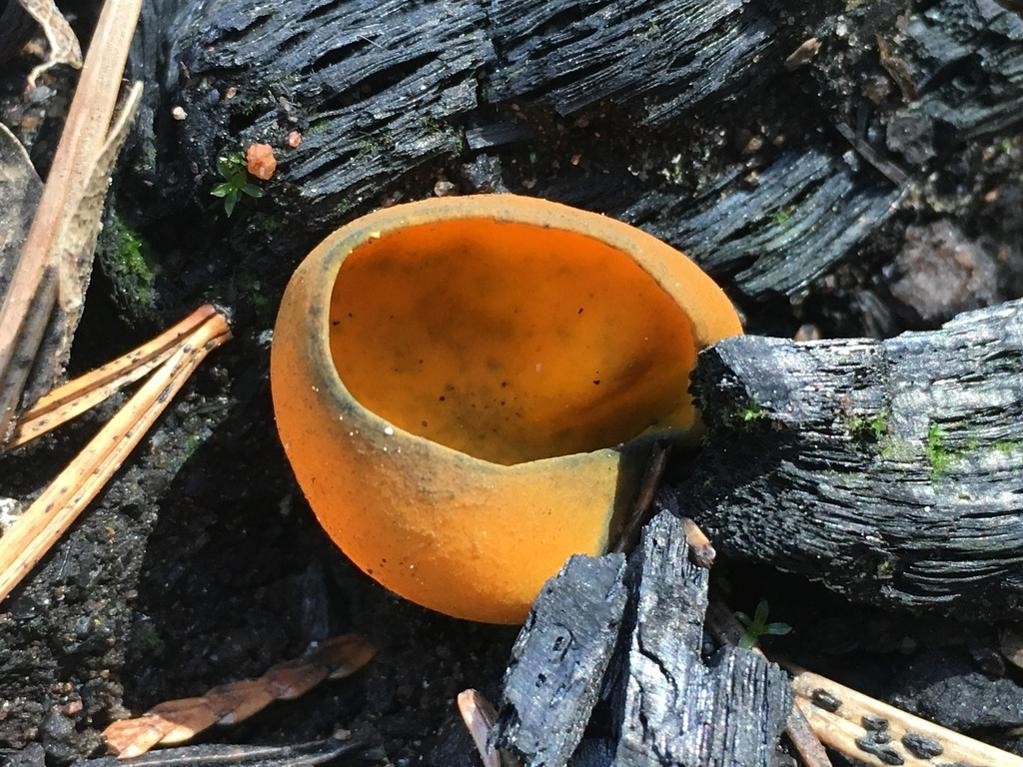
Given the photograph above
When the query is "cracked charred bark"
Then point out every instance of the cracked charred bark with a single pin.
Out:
(892, 471)
(661, 704)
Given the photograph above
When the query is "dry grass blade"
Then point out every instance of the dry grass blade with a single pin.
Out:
(479, 716)
(85, 392)
(849, 721)
(75, 247)
(640, 515)
(180, 720)
(50, 515)
(32, 293)
(64, 46)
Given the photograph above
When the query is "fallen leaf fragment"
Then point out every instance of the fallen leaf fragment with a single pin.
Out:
(64, 46)
(20, 189)
(176, 721)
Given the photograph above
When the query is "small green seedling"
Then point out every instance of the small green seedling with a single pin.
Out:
(752, 411)
(234, 170)
(757, 626)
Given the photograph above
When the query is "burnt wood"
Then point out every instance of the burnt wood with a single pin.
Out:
(891, 471)
(674, 709)
(558, 661)
(660, 703)
(389, 96)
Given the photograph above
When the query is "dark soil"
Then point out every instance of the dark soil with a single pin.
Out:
(201, 563)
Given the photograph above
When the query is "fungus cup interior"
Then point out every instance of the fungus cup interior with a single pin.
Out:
(509, 341)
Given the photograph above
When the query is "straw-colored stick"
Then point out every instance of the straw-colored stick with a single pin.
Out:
(85, 392)
(841, 735)
(52, 513)
(33, 288)
(853, 706)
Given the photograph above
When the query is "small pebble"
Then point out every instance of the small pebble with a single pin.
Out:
(39, 94)
(803, 55)
(179, 113)
(443, 188)
(294, 139)
(808, 332)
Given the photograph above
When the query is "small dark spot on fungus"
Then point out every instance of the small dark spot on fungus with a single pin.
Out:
(596, 382)
(921, 746)
(824, 699)
(442, 398)
(580, 310)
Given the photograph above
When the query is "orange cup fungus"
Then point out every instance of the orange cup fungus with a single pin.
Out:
(467, 389)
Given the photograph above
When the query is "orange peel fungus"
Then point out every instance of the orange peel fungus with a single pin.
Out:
(467, 389)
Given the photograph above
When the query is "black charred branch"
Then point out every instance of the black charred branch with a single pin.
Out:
(660, 703)
(891, 471)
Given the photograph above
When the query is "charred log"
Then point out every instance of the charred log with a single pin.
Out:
(891, 471)
(676, 710)
(807, 210)
(389, 97)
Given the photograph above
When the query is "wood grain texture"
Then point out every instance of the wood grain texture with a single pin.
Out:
(674, 709)
(891, 471)
(557, 664)
(659, 703)
(390, 95)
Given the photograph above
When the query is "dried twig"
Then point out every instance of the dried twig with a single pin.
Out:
(50, 515)
(179, 720)
(85, 392)
(701, 551)
(32, 294)
(874, 732)
(479, 716)
(645, 498)
(327, 752)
